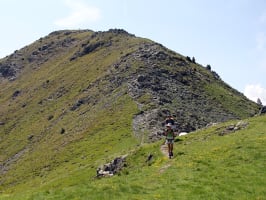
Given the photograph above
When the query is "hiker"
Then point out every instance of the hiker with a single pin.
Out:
(170, 120)
(170, 136)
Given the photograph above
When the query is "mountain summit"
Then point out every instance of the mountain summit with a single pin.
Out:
(75, 87)
(159, 80)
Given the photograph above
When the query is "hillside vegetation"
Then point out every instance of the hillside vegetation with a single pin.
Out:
(206, 166)
(75, 100)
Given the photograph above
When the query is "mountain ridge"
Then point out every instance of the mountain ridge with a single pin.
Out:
(71, 92)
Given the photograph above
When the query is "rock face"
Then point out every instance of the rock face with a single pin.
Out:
(263, 110)
(166, 83)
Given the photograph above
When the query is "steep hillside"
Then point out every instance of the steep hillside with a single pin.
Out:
(73, 99)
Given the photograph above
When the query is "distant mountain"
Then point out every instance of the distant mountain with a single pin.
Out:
(73, 92)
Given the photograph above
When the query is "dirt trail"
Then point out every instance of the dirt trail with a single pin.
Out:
(164, 150)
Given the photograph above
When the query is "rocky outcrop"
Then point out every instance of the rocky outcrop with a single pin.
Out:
(177, 87)
(262, 110)
(161, 82)
(7, 70)
(111, 168)
(232, 128)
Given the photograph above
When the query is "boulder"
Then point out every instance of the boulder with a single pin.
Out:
(111, 168)
(233, 127)
(263, 110)
(16, 94)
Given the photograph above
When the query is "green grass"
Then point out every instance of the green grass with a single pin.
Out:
(205, 166)
(56, 165)
(230, 100)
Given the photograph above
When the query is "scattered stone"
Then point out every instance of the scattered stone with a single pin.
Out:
(111, 168)
(182, 133)
(233, 127)
(77, 105)
(230, 127)
(241, 125)
(6, 70)
(120, 31)
(50, 117)
(211, 124)
(149, 157)
(30, 137)
(15, 94)
(62, 131)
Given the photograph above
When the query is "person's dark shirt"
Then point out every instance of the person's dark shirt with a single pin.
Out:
(169, 121)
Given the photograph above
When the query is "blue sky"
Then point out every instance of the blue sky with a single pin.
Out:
(230, 35)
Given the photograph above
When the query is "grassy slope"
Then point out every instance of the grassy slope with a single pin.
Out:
(206, 166)
(87, 129)
(230, 100)
(62, 166)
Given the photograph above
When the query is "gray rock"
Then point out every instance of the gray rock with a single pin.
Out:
(111, 168)
(233, 127)
(262, 110)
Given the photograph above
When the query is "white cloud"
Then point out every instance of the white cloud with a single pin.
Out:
(81, 15)
(253, 92)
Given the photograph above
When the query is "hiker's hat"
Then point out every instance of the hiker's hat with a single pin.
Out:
(168, 125)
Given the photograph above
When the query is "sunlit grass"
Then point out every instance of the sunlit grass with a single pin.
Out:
(62, 165)
(205, 166)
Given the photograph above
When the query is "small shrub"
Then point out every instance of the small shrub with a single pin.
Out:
(50, 117)
(62, 131)
(193, 60)
(208, 67)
